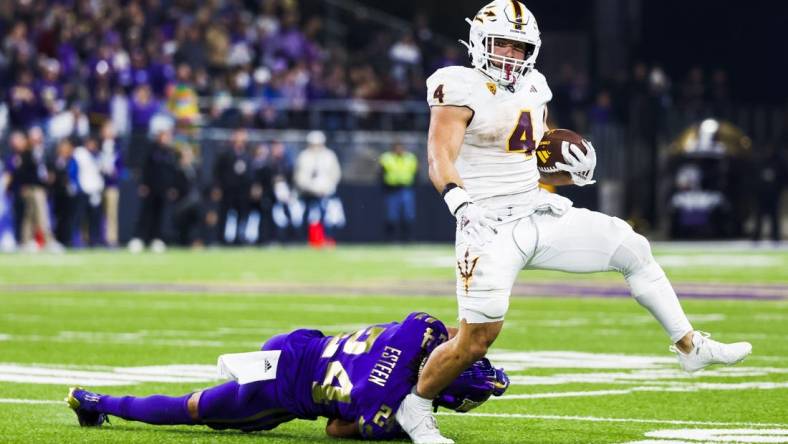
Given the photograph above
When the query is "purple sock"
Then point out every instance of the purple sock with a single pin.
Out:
(226, 401)
(155, 409)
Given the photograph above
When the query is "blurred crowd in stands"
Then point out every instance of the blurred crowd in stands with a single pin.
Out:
(255, 193)
(645, 89)
(125, 61)
(69, 66)
(96, 91)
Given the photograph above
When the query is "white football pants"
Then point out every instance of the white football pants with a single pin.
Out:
(579, 241)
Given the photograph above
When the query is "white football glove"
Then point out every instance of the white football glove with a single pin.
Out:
(476, 223)
(580, 166)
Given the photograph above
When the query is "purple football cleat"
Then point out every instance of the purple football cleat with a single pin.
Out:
(85, 405)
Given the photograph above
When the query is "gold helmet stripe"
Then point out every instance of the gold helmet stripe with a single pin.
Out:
(518, 14)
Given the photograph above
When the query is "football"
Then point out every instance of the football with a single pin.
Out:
(549, 152)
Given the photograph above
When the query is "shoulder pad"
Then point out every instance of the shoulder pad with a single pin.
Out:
(450, 86)
(538, 85)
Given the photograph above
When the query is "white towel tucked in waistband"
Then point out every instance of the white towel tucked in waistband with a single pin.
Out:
(249, 367)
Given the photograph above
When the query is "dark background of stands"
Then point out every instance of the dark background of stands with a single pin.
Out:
(591, 54)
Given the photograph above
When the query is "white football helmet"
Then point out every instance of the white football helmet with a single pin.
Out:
(507, 20)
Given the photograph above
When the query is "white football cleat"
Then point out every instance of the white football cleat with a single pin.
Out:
(136, 246)
(158, 246)
(706, 352)
(416, 419)
(30, 247)
(55, 247)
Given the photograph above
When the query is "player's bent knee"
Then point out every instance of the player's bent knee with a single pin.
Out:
(480, 311)
(632, 255)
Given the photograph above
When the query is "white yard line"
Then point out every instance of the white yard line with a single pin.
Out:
(563, 394)
(515, 416)
(28, 401)
(672, 387)
(598, 419)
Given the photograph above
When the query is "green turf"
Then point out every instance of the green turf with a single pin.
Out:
(347, 264)
(95, 330)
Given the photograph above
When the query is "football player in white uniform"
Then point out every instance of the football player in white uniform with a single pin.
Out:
(485, 124)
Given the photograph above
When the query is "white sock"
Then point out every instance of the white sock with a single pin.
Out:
(649, 285)
(652, 290)
(421, 402)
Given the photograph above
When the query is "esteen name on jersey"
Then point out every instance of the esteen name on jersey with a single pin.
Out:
(384, 366)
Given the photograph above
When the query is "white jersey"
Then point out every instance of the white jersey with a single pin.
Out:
(496, 161)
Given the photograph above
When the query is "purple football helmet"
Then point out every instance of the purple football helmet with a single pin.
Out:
(473, 387)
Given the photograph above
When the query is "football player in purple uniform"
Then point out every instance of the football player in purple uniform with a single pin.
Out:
(356, 380)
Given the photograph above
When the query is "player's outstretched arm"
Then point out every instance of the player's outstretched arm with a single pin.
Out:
(447, 130)
(338, 428)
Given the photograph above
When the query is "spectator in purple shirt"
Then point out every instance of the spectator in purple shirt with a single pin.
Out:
(101, 66)
(66, 53)
(291, 42)
(23, 106)
(49, 90)
(143, 106)
(162, 71)
(138, 73)
(100, 108)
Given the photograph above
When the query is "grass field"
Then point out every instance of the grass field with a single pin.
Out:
(584, 369)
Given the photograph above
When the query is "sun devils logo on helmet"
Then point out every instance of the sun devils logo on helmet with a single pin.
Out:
(507, 20)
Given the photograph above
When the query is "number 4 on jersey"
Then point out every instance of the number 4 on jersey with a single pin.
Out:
(438, 94)
(521, 140)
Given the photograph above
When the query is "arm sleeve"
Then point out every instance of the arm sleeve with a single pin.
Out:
(447, 88)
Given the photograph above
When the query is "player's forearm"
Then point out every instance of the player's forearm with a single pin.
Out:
(442, 171)
(338, 428)
(444, 139)
(556, 180)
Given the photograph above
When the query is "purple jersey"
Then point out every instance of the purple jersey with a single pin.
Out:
(360, 377)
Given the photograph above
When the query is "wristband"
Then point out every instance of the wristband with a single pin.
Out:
(456, 198)
(449, 186)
